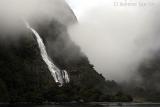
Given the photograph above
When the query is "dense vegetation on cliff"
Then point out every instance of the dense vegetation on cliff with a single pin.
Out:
(24, 77)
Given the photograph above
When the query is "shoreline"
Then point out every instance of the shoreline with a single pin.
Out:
(84, 103)
(123, 103)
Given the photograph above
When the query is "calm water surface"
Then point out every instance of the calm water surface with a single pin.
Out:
(90, 105)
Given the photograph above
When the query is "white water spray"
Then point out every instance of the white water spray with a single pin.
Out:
(59, 76)
(66, 76)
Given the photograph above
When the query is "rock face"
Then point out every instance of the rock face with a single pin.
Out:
(24, 77)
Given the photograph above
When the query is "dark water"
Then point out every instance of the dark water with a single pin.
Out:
(91, 105)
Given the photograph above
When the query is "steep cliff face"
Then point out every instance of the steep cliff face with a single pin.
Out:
(24, 77)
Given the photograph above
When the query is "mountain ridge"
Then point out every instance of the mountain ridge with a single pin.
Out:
(24, 77)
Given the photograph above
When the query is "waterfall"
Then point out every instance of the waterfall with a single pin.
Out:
(60, 76)
(66, 76)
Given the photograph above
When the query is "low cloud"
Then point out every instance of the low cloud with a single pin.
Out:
(118, 39)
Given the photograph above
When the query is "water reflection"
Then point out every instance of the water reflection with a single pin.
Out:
(89, 105)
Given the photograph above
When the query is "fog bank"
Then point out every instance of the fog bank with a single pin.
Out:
(118, 38)
(12, 12)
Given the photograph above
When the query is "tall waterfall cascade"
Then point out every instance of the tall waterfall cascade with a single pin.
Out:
(60, 76)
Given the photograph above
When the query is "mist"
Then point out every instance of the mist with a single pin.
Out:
(117, 39)
(13, 12)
